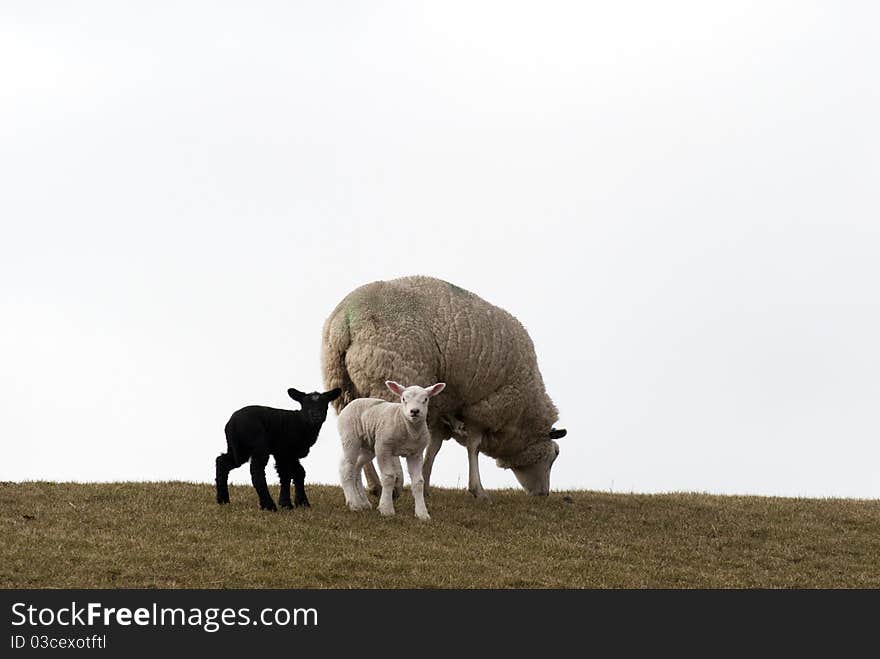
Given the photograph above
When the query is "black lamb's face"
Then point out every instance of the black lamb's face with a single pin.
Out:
(314, 405)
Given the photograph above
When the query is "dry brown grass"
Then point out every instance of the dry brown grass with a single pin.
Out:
(173, 535)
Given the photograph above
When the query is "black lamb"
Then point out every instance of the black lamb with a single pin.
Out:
(256, 432)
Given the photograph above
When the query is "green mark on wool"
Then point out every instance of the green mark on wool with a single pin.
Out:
(351, 314)
(456, 289)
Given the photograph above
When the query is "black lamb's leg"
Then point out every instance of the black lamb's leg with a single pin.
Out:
(299, 484)
(224, 464)
(284, 477)
(258, 478)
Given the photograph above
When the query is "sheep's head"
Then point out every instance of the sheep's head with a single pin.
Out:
(415, 399)
(314, 405)
(532, 465)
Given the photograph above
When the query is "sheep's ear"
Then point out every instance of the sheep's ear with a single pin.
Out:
(333, 394)
(557, 433)
(395, 387)
(296, 394)
(435, 389)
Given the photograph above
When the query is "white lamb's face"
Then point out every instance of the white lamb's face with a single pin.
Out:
(414, 399)
(415, 403)
(535, 478)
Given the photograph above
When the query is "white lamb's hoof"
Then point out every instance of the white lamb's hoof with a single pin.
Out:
(425, 518)
(358, 506)
(387, 512)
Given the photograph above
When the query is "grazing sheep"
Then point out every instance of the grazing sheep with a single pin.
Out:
(373, 427)
(421, 328)
(256, 432)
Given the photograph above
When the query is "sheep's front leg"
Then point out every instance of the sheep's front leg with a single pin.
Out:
(398, 479)
(299, 485)
(375, 484)
(258, 478)
(284, 476)
(376, 487)
(389, 477)
(475, 487)
(414, 464)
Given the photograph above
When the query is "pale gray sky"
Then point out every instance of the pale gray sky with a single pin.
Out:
(678, 200)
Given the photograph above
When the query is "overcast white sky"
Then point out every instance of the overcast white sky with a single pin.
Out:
(678, 200)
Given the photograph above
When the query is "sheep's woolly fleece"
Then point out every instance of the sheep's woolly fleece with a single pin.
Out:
(530, 455)
(420, 330)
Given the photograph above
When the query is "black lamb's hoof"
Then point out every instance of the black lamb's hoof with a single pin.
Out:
(222, 499)
(303, 503)
(286, 504)
(268, 505)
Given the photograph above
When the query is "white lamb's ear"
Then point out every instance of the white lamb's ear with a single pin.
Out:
(394, 387)
(435, 389)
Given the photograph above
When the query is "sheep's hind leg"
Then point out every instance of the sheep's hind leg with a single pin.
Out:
(224, 464)
(475, 487)
(363, 458)
(258, 478)
(350, 479)
(434, 445)
(374, 485)
(414, 464)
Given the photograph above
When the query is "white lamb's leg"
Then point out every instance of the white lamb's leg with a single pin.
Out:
(414, 464)
(373, 482)
(398, 478)
(345, 480)
(388, 475)
(347, 475)
(475, 487)
(364, 458)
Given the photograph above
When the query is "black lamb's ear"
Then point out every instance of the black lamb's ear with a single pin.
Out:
(557, 433)
(296, 394)
(333, 394)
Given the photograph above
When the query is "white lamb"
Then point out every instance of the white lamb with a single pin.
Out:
(372, 427)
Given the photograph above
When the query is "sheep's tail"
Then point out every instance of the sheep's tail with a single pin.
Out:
(336, 339)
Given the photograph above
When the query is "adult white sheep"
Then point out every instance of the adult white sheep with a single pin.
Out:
(424, 329)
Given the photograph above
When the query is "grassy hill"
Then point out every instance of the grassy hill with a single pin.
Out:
(173, 535)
